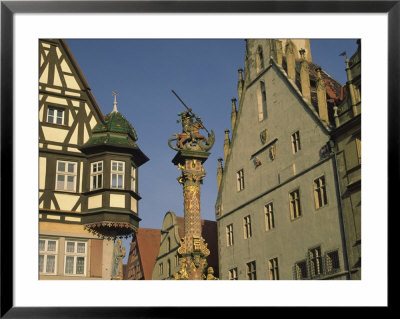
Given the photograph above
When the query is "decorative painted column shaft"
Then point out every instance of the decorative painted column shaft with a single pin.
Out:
(192, 150)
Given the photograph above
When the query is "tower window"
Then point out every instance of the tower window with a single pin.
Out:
(262, 102)
(259, 59)
(117, 174)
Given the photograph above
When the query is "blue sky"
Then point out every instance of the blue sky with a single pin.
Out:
(204, 74)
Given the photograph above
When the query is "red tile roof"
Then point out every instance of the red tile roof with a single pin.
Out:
(148, 242)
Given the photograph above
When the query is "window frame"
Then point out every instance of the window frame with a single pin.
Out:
(300, 270)
(66, 174)
(316, 262)
(328, 259)
(134, 179)
(96, 175)
(262, 102)
(117, 173)
(47, 253)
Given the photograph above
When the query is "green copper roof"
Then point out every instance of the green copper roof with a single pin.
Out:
(115, 131)
(115, 122)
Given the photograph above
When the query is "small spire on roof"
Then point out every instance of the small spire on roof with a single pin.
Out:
(115, 101)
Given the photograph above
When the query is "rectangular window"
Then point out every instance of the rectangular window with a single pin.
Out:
(55, 115)
(273, 269)
(117, 174)
(251, 271)
(332, 262)
(75, 258)
(96, 175)
(296, 142)
(247, 227)
(229, 235)
(233, 274)
(66, 176)
(294, 203)
(301, 270)
(262, 103)
(48, 249)
(240, 180)
(315, 261)
(320, 192)
(269, 216)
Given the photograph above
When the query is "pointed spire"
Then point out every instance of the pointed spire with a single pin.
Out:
(226, 144)
(233, 113)
(115, 101)
(220, 171)
(290, 60)
(240, 83)
(321, 97)
(305, 76)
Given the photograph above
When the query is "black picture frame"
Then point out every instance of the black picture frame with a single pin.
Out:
(9, 8)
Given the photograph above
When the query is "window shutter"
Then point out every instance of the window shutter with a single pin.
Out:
(96, 257)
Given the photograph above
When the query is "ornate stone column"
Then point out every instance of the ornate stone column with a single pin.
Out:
(192, 150)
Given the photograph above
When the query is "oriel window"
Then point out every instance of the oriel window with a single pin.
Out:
(117, 174)
(96, 175)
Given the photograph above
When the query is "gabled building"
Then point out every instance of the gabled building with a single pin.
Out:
(142, 254)
(278, 207)
(347, 147)
(167, 262)
(88, 172)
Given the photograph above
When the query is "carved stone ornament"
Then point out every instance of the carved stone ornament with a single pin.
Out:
(264, 136)
(190, 138)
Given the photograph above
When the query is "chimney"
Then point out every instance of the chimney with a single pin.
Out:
(321, 97)
(233, 113)
(290, 60)
(240, 84)
(279, 52)
(305, 76)
(220, 171)
(226, 144)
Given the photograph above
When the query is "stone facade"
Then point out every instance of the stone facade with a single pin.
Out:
(278, 208)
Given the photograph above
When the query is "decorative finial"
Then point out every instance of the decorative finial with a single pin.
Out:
(115, 101)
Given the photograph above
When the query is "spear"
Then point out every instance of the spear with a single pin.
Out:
(187, 107)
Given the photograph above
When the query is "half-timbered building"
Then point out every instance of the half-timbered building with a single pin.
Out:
(88, 172)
